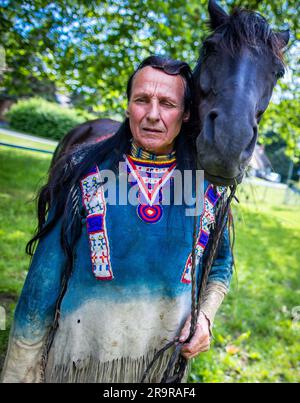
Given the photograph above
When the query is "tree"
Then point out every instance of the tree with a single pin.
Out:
(283, 119)
(89, 48)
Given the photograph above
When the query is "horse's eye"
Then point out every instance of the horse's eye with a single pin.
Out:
(279, 74)
(209, 48)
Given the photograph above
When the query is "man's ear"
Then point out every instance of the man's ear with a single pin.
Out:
(127, 113)
(186, 116)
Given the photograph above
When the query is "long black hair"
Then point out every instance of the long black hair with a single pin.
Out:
(90, 132)
(62, 188)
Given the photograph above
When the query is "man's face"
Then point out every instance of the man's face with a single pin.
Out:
(156, 109)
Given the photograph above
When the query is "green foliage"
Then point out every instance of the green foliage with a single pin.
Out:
(89, 49)
(276, 150)
(40, 117)
(283, 119)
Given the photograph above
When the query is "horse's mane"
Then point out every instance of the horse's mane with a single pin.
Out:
(248, 28)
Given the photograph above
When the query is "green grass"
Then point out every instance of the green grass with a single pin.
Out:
(255, 337)
(264, 195)
(22, 173)
(10, 139)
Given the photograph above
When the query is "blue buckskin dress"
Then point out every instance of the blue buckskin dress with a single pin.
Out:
(130, 290)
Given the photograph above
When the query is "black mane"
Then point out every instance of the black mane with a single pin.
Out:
(247, 28)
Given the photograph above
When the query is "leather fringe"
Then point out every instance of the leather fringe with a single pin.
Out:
(122, 370)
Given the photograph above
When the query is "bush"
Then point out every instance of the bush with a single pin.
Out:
(42, 118)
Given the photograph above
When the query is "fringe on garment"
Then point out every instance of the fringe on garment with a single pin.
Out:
(122, 370)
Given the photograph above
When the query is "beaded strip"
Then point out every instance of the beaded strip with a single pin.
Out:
(94, 203)
(207, 219)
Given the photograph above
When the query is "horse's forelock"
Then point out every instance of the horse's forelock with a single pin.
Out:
(248, 28)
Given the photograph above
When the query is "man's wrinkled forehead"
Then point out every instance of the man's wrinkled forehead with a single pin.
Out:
(155, 82)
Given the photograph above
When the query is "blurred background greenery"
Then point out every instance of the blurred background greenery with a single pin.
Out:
(65, 62)
(79, 55)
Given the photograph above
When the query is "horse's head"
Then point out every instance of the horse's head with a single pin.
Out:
(239, 65)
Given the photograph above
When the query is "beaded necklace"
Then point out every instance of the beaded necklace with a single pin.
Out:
(151, 173)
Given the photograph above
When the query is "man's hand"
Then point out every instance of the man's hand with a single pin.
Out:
(200, 342)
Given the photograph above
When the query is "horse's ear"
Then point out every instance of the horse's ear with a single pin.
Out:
(283, 37)
(218, 16)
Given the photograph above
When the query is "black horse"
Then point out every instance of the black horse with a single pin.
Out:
(238, 67)
(88, 132)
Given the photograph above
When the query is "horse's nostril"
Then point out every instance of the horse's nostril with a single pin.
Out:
(209, 127)
(213, 115)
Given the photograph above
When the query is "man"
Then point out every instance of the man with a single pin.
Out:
(110, 283)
